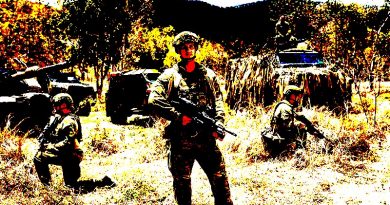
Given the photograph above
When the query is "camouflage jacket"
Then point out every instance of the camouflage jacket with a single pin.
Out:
(200, 86)
(283, 120)
(66, 132)
(282, 29)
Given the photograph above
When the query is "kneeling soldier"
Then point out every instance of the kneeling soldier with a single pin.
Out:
(59, 143)
(287, 134)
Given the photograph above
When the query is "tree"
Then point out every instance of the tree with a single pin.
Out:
(29, 34)
(100, 28)
(299, 14)
(347, 35)
(148, 47)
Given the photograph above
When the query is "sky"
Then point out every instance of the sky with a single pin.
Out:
(228, 3)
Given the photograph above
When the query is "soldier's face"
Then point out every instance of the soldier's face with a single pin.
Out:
(296, 99)
(61, 109)
(188, 50)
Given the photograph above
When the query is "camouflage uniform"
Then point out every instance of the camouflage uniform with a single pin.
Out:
(283, 35)
(189, 143)
(283, 123)
(283, 30)
(61, 148)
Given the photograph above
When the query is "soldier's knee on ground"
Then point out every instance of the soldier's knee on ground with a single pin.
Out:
(42, 172)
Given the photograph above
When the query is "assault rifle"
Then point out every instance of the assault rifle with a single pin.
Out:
(43, 137)
(199, 116)
(311, 128)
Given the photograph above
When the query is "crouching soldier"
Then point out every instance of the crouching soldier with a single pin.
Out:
(286, 135)
(59, 143)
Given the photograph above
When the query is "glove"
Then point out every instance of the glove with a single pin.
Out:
(185, 120)
(217, 136)
(220, 135)
(78, 154)
(51, 147)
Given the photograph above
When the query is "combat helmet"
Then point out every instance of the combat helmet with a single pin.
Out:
(292, 89)
(63, 98)
(185, 37)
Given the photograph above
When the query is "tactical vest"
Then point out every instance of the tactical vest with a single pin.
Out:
(202, 86)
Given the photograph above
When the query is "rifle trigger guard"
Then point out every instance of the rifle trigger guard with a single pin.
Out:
(196, 134)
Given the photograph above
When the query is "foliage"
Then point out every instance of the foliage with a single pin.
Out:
(29, 34)
(148, 47)
(135, 156)
(152, 47)
(350, 36)
(100, 35)
(213, 55)
(136, 159)
(298, 14)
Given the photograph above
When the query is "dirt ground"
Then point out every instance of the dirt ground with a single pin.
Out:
(262, 182)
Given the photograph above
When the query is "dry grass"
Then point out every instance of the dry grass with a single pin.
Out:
(355, 171)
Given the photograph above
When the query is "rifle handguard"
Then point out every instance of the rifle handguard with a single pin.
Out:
(187, 107)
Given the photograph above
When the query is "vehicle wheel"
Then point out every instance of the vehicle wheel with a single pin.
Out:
(119, 119)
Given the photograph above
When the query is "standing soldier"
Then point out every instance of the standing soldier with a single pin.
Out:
(59, 143)
(187, 141)
(284, 38)
(288, 135)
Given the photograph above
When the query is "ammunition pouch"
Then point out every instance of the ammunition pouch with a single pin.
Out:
(177, 131)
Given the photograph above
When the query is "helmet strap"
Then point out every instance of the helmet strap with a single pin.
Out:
(189, 64)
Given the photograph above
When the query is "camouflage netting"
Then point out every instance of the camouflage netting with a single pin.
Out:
(246, 80)
(256, 80)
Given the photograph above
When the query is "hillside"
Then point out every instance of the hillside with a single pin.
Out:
(250, 22)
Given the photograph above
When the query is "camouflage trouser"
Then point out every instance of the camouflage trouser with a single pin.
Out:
(204, 150)
(69, 163)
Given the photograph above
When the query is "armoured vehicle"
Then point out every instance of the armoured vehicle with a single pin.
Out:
(262, 79)
(84, 95)
(128, 93)
(322, 83)
(24, 102)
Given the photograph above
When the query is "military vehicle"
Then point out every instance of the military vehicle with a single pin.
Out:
(24, 102)
(84, 95)
(323, 84)
(128, 93)
(262, 79)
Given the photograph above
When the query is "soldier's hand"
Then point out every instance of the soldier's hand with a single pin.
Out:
(79, 154)
(218, 136)
(51, 147)
(301, 125)
(185, 120)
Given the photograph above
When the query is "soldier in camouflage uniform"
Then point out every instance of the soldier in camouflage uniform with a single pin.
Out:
(288, 134)
(284, 38)
(60, 143)
(187, 141)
